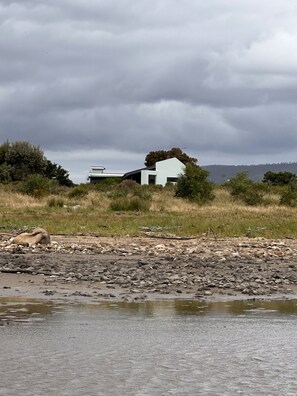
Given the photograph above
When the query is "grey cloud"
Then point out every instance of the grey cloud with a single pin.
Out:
(265, 128)
(133, 76)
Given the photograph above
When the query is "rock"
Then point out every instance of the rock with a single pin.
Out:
(38, 235)
(161, 266)
(49, 292)
(208, 293)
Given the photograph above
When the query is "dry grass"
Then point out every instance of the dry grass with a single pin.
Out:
(91, 214)
(98, 201)
(165, 201)
(12, 200)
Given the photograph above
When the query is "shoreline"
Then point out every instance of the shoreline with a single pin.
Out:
(25, 288)
(93, 269)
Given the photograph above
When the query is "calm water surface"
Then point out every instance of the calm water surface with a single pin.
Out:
(153, 348)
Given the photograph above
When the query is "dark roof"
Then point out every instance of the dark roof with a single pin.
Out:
(153, 167)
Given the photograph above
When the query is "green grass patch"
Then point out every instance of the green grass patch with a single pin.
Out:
(167, 215)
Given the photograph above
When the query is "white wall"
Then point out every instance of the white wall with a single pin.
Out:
(171, 167)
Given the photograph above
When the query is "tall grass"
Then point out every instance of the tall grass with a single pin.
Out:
(91, 213)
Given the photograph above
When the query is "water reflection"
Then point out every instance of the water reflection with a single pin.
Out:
(193, 307)
(236, 307)
(32, 310)
(146, 349)
(26, 310)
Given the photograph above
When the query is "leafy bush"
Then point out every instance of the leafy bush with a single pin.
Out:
(144, 193)
(193, 185)
(107, 184)
(253, 196)
(170, 187)
(239, 184)
(243, 188)
(37, 186)
(5, 173)
(130, 204)
(288, 195)
(78, 192)
(129, 188)
(129, 195)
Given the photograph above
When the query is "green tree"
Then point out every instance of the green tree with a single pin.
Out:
(160, 155)
(193, 184)
(20, 159)
(279, 178)
(5, 173)
(23, 158)
(56, 172)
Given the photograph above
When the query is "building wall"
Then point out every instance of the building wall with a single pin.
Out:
(170, 168)
(145, 176)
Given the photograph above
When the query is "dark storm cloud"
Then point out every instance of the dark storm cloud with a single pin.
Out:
(96, 79)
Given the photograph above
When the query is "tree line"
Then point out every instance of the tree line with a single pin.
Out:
(20, 159)
(23, 162)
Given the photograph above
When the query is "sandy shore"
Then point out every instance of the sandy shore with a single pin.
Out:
(93, 269)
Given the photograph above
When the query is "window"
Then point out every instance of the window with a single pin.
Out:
(171, 179)
(152, 179)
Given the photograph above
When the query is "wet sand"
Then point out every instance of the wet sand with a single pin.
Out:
(94, 268)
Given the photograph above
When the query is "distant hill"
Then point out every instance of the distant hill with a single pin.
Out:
(218, 174)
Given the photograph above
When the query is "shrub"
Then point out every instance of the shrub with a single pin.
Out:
(193, 185)
(37, 186)
(129, 188)
(5, 173)
(253, 196)
(170, 187)
(288, 195)
(130, 204)
(78, 192)
(239, 184)
(143, 192)
(129, 195)
(107, 184)
(243, 188)
(55, 202)
(124, 188)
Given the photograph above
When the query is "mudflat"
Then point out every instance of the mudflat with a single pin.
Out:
(95, 268)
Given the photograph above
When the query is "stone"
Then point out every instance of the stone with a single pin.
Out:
(38, 235)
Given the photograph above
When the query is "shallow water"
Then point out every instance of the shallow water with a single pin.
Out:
(152, 348)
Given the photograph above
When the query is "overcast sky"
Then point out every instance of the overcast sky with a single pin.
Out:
(103, 82)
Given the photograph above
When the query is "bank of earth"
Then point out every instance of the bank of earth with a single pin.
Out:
(94, 269)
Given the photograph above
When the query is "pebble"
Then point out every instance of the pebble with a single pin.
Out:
(250, 266)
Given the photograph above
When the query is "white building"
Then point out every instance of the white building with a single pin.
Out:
(97, 174)
(166, 171)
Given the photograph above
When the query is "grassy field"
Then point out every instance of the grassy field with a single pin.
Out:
(168, 216)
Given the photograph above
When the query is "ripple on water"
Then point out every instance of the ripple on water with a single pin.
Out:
(165, 348)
